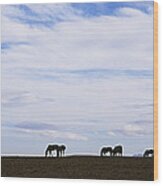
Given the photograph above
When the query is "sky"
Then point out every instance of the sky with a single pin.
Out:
(79, 74)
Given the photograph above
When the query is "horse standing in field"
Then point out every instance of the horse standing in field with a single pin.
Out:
(117, 151)
(106, 150)
(61, 150)
(50, 149)
(148, 153)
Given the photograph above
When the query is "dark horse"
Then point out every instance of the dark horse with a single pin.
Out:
(61, 150)
(106, 150)
(148, 153)
(50, 149)
(117, 151)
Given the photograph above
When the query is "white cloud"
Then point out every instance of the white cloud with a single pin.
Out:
(53, 134)
(134, 130)
(90, 38)
(131, 12)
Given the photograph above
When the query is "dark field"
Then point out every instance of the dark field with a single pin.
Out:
(79, 167)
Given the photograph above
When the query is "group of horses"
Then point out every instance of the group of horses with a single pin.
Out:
(116, 151)
(148, 153)
(59, 151)
(51, 150)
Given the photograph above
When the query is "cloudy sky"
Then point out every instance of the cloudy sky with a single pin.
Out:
(77, 74)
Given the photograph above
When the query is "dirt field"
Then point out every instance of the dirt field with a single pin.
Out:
(79, 167)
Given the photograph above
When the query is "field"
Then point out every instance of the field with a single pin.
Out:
(79, 167)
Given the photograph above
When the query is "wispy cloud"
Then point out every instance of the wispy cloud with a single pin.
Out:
(23, 98)
(52, 131)
(131, 130)
(9, 45)
(97, 9)
(47, 15)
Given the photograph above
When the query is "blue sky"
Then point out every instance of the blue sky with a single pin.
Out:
(80, 74)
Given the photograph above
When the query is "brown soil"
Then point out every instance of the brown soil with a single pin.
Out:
(79, 167)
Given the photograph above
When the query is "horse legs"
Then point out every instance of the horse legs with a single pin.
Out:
(57, 153)
(50, 153)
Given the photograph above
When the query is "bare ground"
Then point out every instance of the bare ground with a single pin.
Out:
(79, 167)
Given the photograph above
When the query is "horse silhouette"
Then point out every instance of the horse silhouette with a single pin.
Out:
(148, 153)
(50, 149)
(117, 151)
(106, 150)
(61, 150)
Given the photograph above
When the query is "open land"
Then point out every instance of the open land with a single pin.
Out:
(79, 167)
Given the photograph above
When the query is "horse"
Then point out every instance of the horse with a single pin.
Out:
(117, 151)
(61, 150)
(50, 149)
(148, 153)
(106, 150)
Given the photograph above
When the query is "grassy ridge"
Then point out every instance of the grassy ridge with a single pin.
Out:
(79, 167)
